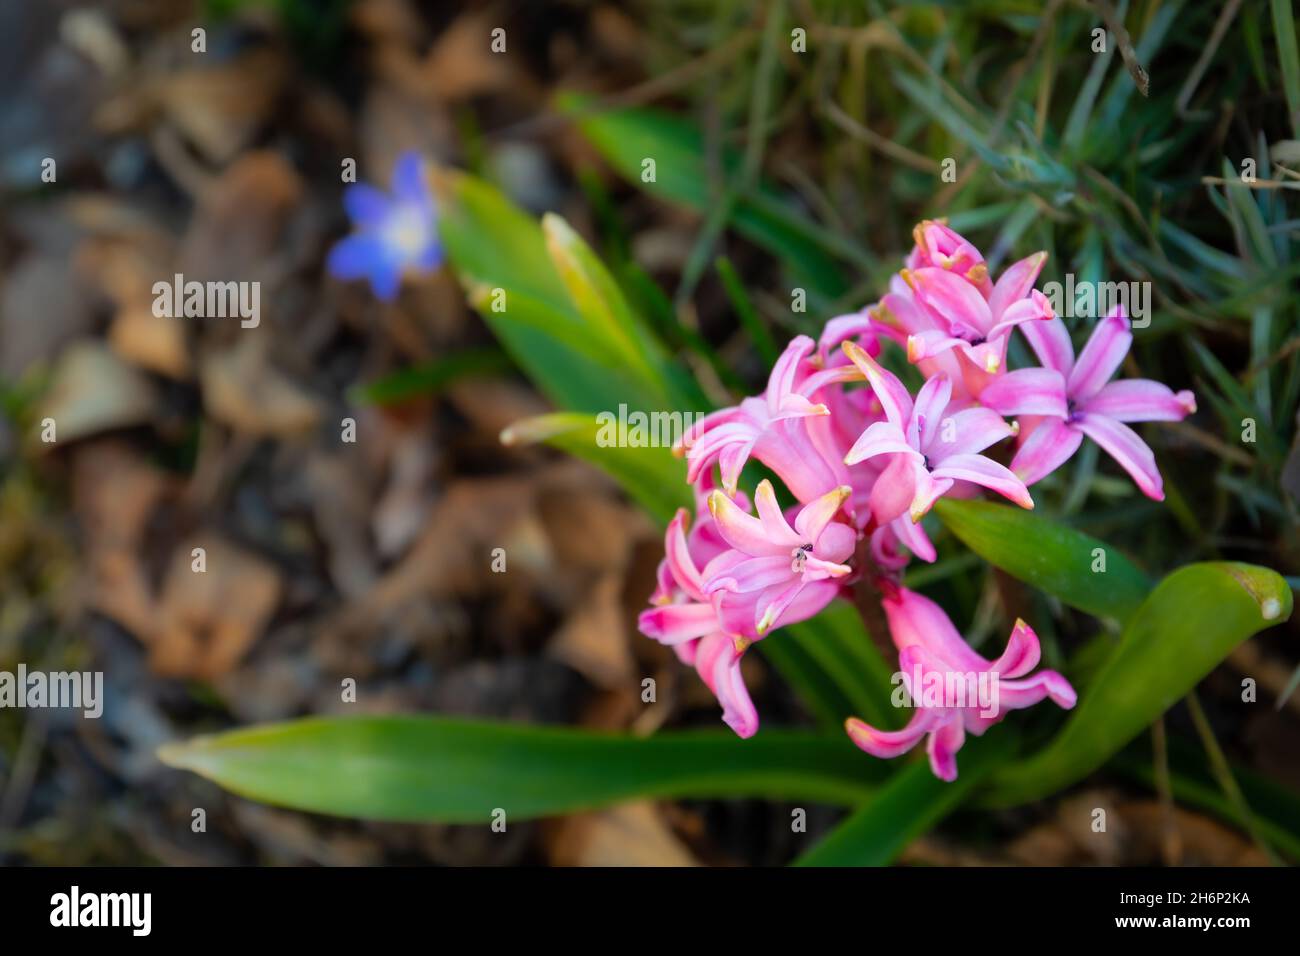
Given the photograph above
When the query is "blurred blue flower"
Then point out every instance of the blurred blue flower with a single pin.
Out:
(393, 233)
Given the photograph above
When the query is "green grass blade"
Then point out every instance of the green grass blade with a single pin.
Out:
(628, 137)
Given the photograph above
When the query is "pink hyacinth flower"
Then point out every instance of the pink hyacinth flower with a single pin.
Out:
(930, 447)
(1093, 407)
(771, 429)
(778, 574)
(929, 645)
(685, 618)
(978, 328)
(938, 246)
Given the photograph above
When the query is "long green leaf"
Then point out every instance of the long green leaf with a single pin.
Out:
(911, 803)
(459, 771)
(1191, 622)
(562, 321)
(1049, 556)
(651, 475)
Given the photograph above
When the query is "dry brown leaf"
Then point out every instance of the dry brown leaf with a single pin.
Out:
(41, 311)
(221, 108)
(240, 221)
(151, 342)
(114, 493)
(242, 390)
(633, 834)
(94, 391)
(593, 640)
(208, 620)
(589, 532)
(462, 65)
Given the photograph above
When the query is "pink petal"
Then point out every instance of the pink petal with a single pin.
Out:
(1141, 400)
(796, 406)
(710, 443)
(914, 537)
(929, 344)
(894, 398)
(890, 743)
(929, 489)
(678, 622)
(939, 245)
(1019, 694)
(1122, 443)
(952, 299)
(880, 438)
(742, 531)
(1100, 358)
(931, 402)
(677, 556)
(775, 527)
(781, 382)
(842, 327)
(1022, 652)
(753, 574)
(816, 515)
(986, 357)
(1014, 284)
(919, 624)
(1036, 308)
(942, 747)
(1045, 449)
(773, 603)
(972, 430)
(1050, 341)
(893, 491)
(731, 462)
(1027, 391)
(984, 471)
(708, 423)
(718, 663)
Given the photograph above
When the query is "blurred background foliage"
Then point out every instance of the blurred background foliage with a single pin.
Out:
(776, 170)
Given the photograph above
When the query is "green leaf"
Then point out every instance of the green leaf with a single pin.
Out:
(421, 769)
(1191, 622)
(836, 644)
(431, 377)
(1049, 556)
(606, 314)
(492, 242)
(651, 475)
(911, 803)
(575, 337)
(627, 137)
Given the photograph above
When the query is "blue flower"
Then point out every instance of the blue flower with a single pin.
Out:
(393, 234)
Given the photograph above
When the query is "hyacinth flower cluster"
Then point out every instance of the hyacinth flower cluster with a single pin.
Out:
(863, 460)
